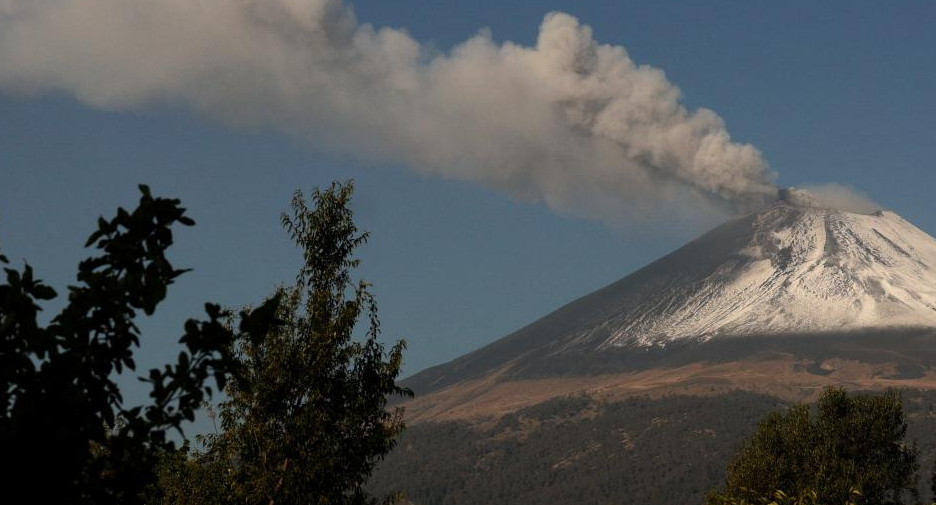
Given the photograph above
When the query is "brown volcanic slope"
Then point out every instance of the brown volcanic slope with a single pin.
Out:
(847, 299)
(793, 368)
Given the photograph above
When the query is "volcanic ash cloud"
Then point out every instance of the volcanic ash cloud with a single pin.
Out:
(569, 122)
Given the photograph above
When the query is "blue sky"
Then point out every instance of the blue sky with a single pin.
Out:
(835, 92)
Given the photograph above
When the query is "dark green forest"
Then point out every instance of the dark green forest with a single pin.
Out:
(584, 451)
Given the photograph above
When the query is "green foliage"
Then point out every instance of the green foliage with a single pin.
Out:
(849, 443)
(62, 416)
(805, 497)
(307, 419)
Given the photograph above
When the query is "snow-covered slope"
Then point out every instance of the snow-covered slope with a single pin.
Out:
(795, 271)
(792, 268)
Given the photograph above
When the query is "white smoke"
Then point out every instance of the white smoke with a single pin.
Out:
(569, 122)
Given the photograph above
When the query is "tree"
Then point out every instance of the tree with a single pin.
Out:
(307, 419)
(848, 448)
(63, 422)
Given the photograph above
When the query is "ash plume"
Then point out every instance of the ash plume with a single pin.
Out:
(569, 122)
(830, 196)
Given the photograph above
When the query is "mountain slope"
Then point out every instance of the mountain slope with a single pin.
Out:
(793, 269)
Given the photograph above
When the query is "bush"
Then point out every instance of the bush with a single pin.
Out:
(848, 448)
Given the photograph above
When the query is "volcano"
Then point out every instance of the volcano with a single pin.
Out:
(641, 391)
(789, 299)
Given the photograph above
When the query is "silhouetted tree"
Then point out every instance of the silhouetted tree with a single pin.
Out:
(65, 434)
(308, 419)
(850, 448)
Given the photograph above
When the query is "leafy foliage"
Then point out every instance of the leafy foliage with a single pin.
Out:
(307, 419)
(62, 416)
(850, 443)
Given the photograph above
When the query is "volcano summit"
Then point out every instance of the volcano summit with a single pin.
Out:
(807, 294)
(795, 267)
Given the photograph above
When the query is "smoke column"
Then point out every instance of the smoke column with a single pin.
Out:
(569, 122)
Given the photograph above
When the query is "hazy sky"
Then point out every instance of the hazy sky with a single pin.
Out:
(460, 255)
